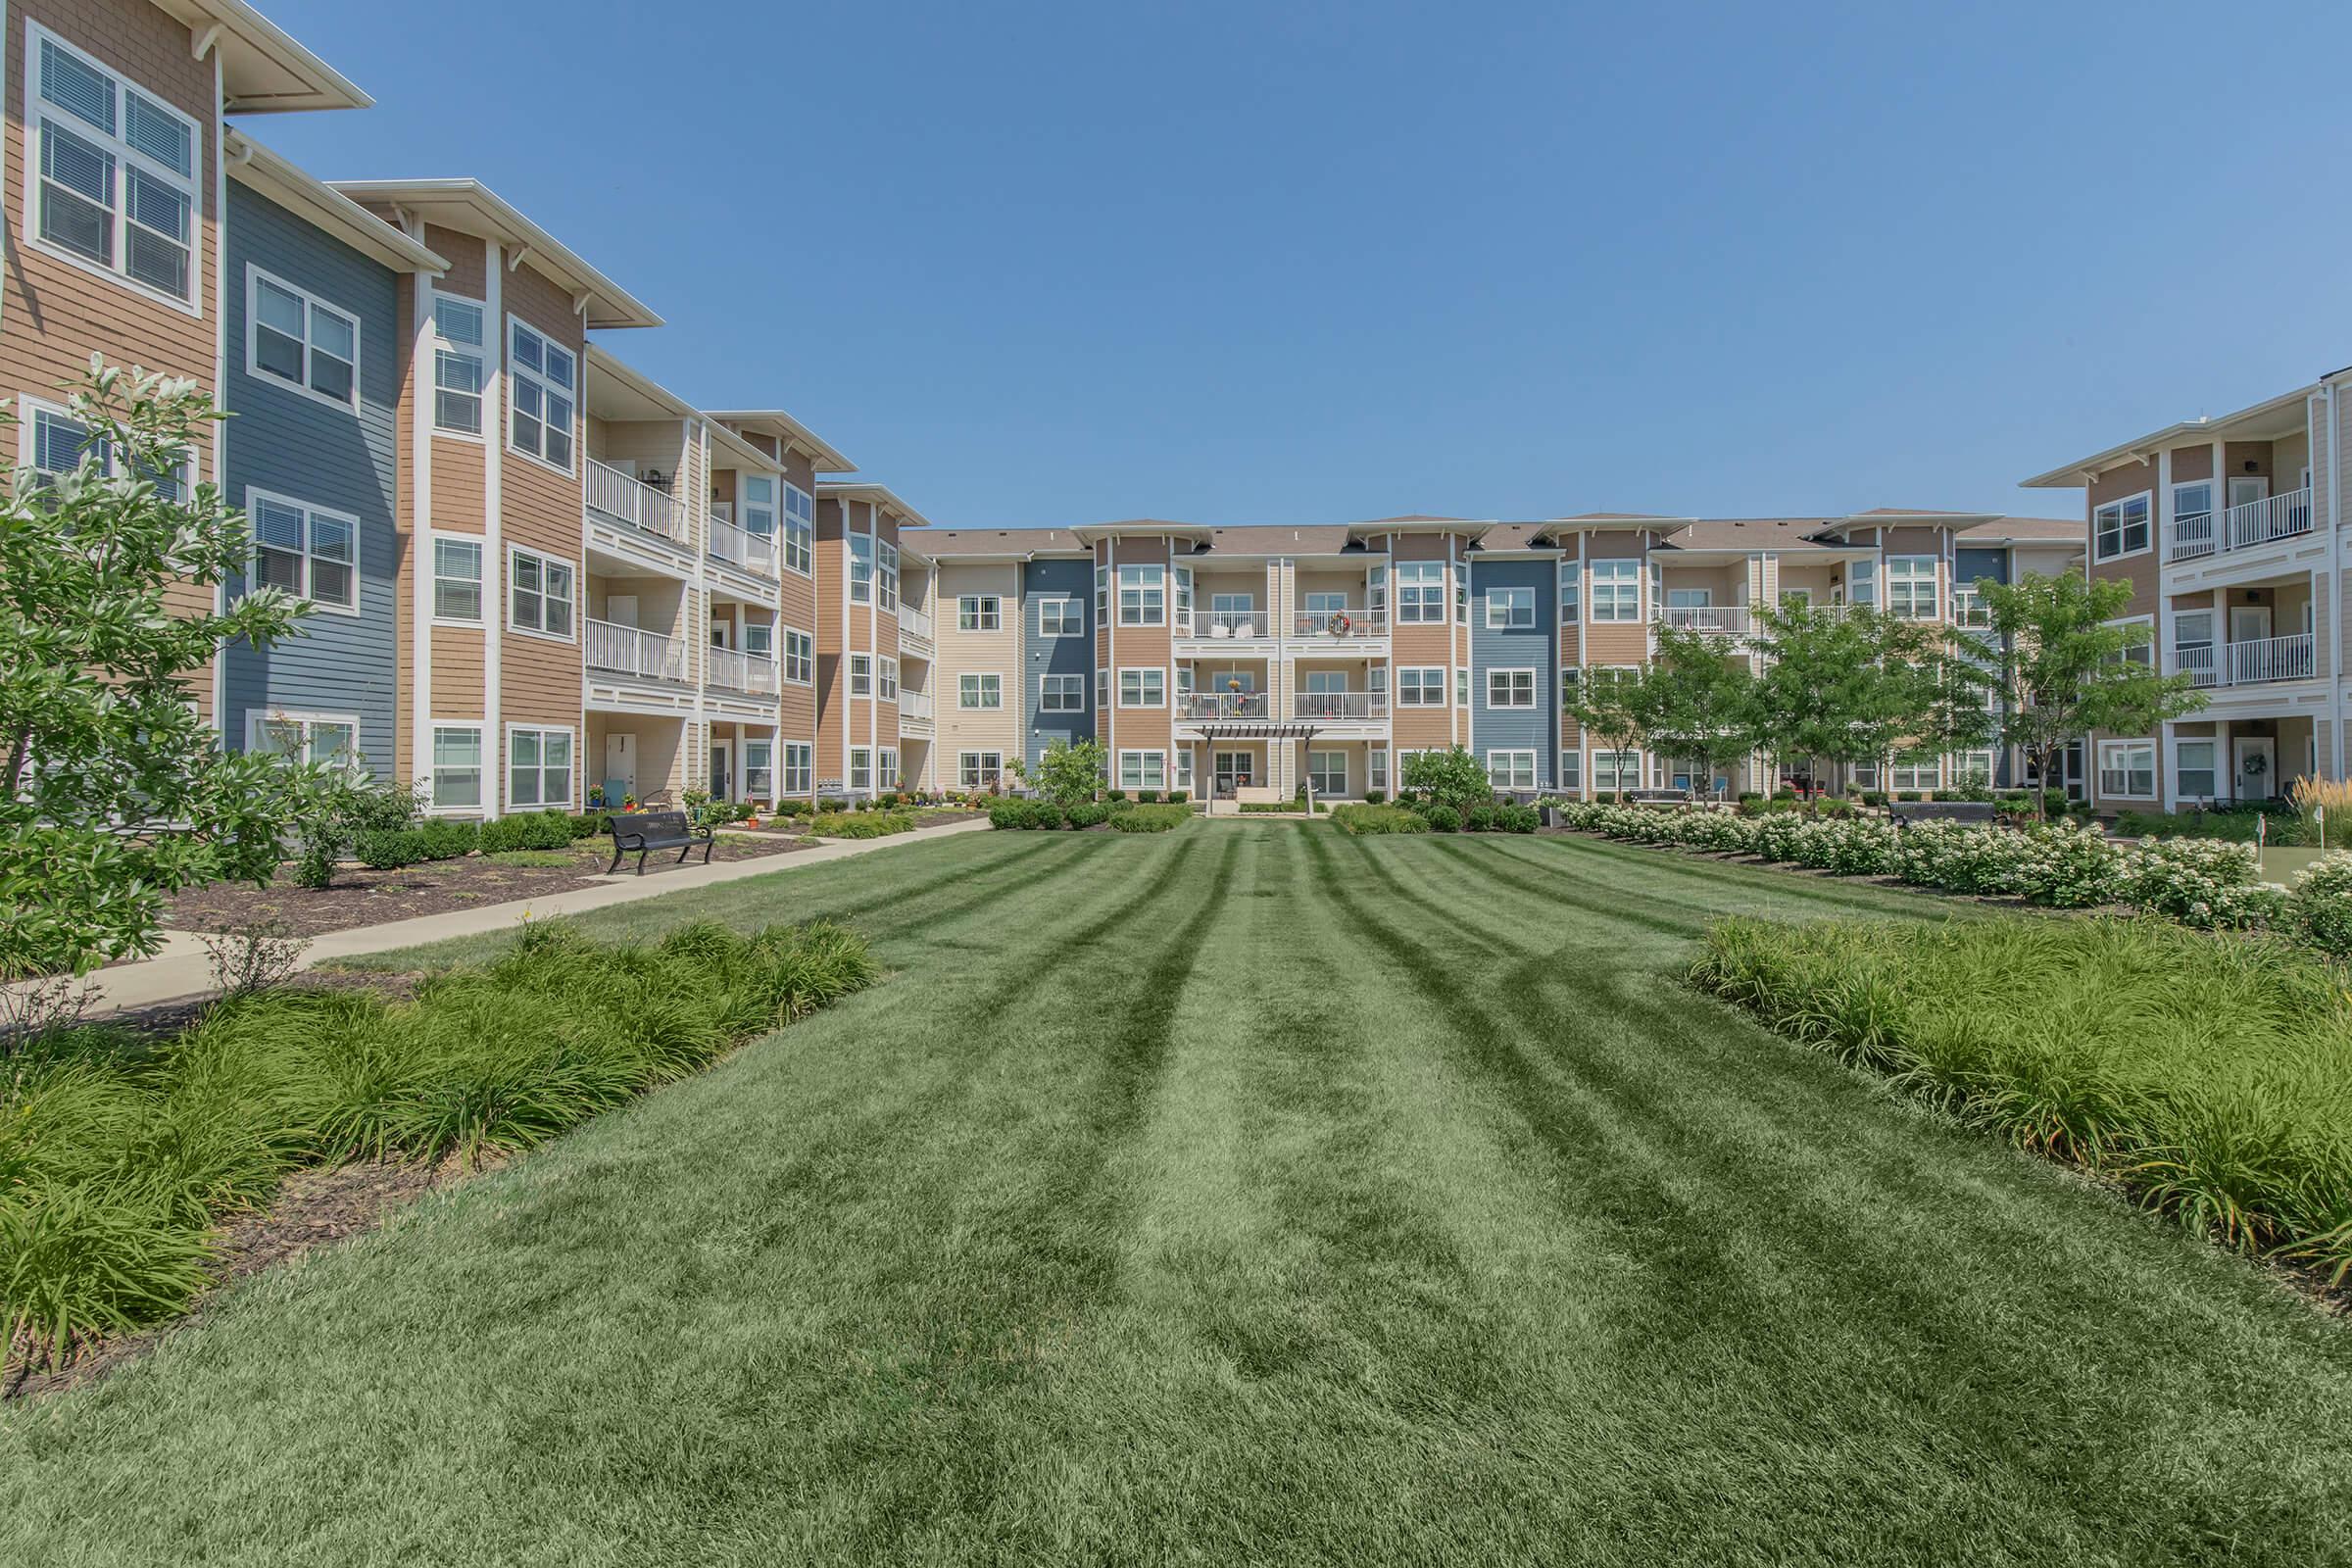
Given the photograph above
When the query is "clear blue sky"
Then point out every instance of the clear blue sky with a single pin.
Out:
(1244, 262)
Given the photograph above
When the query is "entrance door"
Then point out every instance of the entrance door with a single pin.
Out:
(2257, 766)
(621, 765)
(1234, 769)
(2248, 487)
(722, 771)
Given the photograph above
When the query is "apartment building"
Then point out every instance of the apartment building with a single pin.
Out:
(871, 640)
(2229, 532)
(1226, 659)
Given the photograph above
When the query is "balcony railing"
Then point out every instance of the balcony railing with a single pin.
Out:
(2193, 536)
(913, 622)
(739, 547)
(1223, 623)
(739, 671)
(2244, 527)
(1361, 706)
(641, 654)
(1347, 624)
(2253, 662)
(1728, 620)
(1222, 705)
(635, 503)
(914, 704)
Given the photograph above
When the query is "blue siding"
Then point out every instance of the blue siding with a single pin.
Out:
(1980, 566)
(1056, 655)
(294, 446)
(1536, 647)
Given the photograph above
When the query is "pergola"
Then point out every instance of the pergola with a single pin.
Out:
(1226, 729)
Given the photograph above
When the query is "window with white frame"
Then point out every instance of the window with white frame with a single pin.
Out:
(306, 737)
(1101, 689)
(1376, 769)
(541, 376)
(1142, 688)
(1911, 587)
(980, 770)
(800, 768)
(862, 767)
(1184, 597)
(538, 766)
(1461, 687)
(1143, 595)
(2119, 528)
(885, 678)
(1376, 590)
(1511, 771)
(539, 596)
(1419, 687)
(1062, 694)
(1420, 592)
(1572, 771)
(2143, 651)
(2196, 768)
(457, 773)
(51, 442)
(886, 574)
(113, 184)
(758, 769)
(1969, 608)
(800, 530)
(1572, 591)
(1142, 771)
(1510, 688)
(1461, 596)
(980, 692)
(1102, 594)
(1327, 772)
(2192, 500)
(1616, 771)
(305, 550)
(1973, 768)
(799, 656)
(1915, 777)
(1184, 769)
(755, 495)
(459, 341)
(862, 568)
(2127, 769)
(1616, 591)
(979, 613)
(1509, 609)
(294, 337)
(1061, 617)
(861, 674)
(457, 580)
(886, 769)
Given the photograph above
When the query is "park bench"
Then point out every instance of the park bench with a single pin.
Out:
(1907, 813)
(644, 831)
(1658, 797)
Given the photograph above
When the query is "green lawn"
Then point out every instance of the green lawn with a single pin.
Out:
(1243, 1194)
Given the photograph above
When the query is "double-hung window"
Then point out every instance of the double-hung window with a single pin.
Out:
(1376, 592)
(1061, 617)
(1862, 583)
(2196, 768)
(1102, 594)
(862, 768)
(1421, 687)
(457, 767)
(980, 692)
(1913, 777)
(1509, 609)
(306, 737)
(757, 499)
(886, 679)
(1062, 694)
(758, 769)
(886, 768)
(2127, 769)
(458, 364)
(1974, 767)
(1421, 593)
(1143, 595)
(1969, 609)
(1511, 771)
(113, 187)
(1327, 772)
(1616, 591)
(1142, 771)
(304, 551)
(296, 338)
(1911, 587)
(1614, 772)
(458, 579)
(1142, 688)
(1572, 591)
(979, 613)
(541, 380)
(799, 656)
(1510, 688)
(800, 768)
(886, 574)
(538, 766)
(862, 568)
(1572, 771)
(1101, 689)
(861, 674)
(980, 770)
(539, 594)
(800, 530)
(2119, 528)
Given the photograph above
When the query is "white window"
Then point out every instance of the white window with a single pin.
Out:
(1421, 593)
(886, 679)
(1915, 776)
(1866, 776)
(886, 574)
(1911, 587)
(538, 766)
(1511, 771)
(458, 374)
(539, 596)
(539, 398)
(294, 337)
(800, 768)
(1184, 769)
(457, 780)
(1510, 688)
(1101, 688)
(309, 737)
(862, 768)
(886, 769)
(1616, 591)
(800, 530)
(1061, 617)
(980, 691)
(1572, 582)
(1461, 687)
(2127, 769)
(1376, 767)
(305, 550)
(1102, 594)
(1615, 771)
(1184, 597)
(2119, 528)
(1327, 772)
(978, 613)
(861, 674)
(457, 580)
(755, 505)
(1572, 772)
(1376, 590)
(862, 568)
(1062, 694)
(1143, 595)
(980, 770)
(1142, 688)
(1862, 582)
(1420, 688)
(2142, 651)
(758, 770)
(1142, 771)
(1508, 609)
(1969, 608)
(2196, 768)
(1973, 768)
(50, 442)
(1461, 596)
(799, 656)
(113, 187)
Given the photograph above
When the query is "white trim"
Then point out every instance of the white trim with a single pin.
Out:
(2091, 543)
(420, 492)
(963, 676)
(494, 527)
(1505, 605)
(1139, 672)
(572, 600)
(1063, 602)
(429, 599)
(487, 766)
(1534, 689)
(1535, 772)
(255, 276)
(270, 712)
(2221, 768)
(547, 389)
(426, 372)
(255, 493)
(2098, 769)
(220, 671)
(505, 771)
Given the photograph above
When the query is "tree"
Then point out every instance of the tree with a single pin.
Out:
(1614, 704)
(1066, 774)
(118, 794)
(1846, 685)
(2070, 671)
(1697, 701)
(1450, 777)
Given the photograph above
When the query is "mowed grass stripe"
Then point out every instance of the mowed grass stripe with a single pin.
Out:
(1605, 861)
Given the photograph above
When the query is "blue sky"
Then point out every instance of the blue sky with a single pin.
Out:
(1313, 263)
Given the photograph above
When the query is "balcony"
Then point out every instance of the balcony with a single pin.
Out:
(1729, 621)
(739, 547)
(1226, 625)
(2247, 525)
(1349, 625)
(1359, 708)
(618, 650)
(1195, 707)
(2258, 661)
(634, 504)
(731, 669)
(915, 626)
(914, 704)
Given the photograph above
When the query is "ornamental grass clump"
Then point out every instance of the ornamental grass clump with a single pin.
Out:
(118, 1154)
(2212, 1080)
(861, 824)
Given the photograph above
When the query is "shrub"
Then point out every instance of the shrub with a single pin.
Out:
(445, 840)
(1375, 797)
(1086, 813)
(1518, 819)
(550, 829)
(1179, 796)
(1442, 820)
(2199, 883)
(390, 849)
(1151, 818)
(1479, 819)
(875, 824)
(1148, 797)
(502, 833)
(1452, 778)
(1114, 795)
(2321, 904)
(1373, 818)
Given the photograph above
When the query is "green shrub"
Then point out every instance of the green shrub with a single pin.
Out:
(1372, 818)
(445, 840)
(1375, 797)
(588, 824)
(875, 824)
(1151, 818)
(1148, 797)
(503, 833)
(2321, 904)
(1518, 819)
(1179, 796)
(390, 849)
(1086, 813)
(1479, 819)
(1442, 820)
(1026, 814)
(1114, 795)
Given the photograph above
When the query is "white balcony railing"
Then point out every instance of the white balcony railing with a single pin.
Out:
(2197, 660)
(1728, 620)
(1199, 706)
(2264, 521)
(635, 503)
(2269, 658)
(1339, 625)
(1219, 624)
(739, 547)
(2193, 536)
(913, 622)
(1360, 706)
(739, 671)
(914, 705)
(641, 654)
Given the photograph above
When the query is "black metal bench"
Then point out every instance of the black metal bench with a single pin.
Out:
(1658, 797)
(644, 831)
(1907, 813)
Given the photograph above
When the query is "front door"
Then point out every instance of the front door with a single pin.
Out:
(621, 765)
(1235, 770)
(2257, 766)
(723, 759)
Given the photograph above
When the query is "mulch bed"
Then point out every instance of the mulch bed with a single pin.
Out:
(362, 897)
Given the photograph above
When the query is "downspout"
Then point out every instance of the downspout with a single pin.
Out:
(2336, 582)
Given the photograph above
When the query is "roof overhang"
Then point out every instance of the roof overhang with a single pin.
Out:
(778, 426)
(262, 70)
(323, 206)
(1616, 523)
(1384, 525)
(875, 495)
(2265, 420)
(473, 208)
(618, 391)
(1088, 533)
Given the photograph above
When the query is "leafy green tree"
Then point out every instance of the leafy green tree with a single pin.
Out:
(1696, 700)
(1450, 777)
(1066, 774)
(118, 793)
(1843, 685)
(1615, 705)
(2070, 673)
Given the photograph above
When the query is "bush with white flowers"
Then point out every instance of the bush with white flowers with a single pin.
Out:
(2200, 882)
(2321, 905)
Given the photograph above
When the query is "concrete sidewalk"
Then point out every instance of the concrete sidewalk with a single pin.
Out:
(183, 970)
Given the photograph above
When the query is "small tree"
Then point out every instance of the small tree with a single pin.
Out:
(1695, 701)
(118, 794)
(1850, 685)
(1450, 777)
(1615, 705)
(1066, 774)
(2069, 672)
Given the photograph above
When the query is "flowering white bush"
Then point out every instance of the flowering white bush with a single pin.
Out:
(2321, 903)
(2069, 868)
(1962, 858)
(2201, 882)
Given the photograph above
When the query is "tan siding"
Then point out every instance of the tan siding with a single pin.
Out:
(978, 652)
